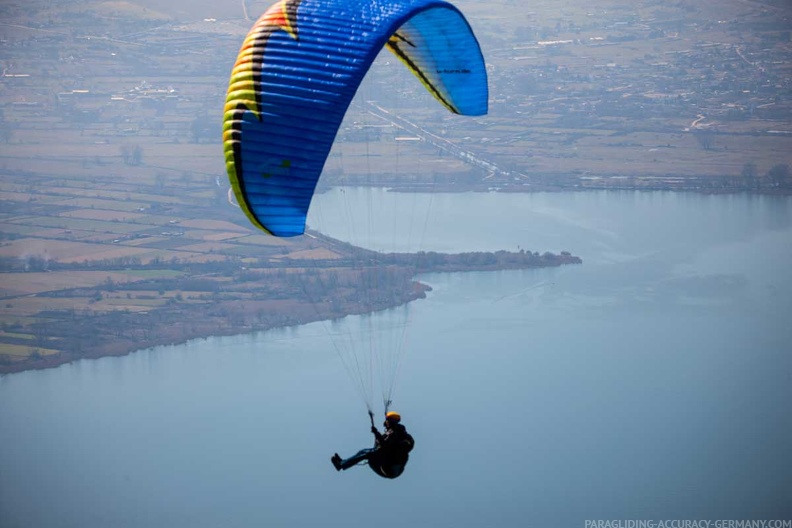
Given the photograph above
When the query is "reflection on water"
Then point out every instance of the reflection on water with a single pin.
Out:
(652, 382)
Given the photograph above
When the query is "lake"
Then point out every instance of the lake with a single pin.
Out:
(654, 381)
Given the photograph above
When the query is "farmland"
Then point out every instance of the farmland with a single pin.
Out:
(116, 226)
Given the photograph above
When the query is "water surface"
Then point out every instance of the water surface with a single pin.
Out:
(652, 382)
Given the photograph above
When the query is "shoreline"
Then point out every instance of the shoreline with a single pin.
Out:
(254, 306)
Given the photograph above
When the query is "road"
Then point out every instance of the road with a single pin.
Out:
(493, 170)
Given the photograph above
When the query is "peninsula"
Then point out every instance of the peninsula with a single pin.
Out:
(67, 311)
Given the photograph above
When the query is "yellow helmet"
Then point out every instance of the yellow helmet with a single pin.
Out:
(393, 417)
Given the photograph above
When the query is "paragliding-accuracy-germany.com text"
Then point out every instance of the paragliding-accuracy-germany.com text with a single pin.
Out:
(689, 523)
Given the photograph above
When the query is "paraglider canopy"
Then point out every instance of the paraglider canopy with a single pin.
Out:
(298, 70)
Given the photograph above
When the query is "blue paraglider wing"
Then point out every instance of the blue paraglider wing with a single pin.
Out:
(296, 73)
